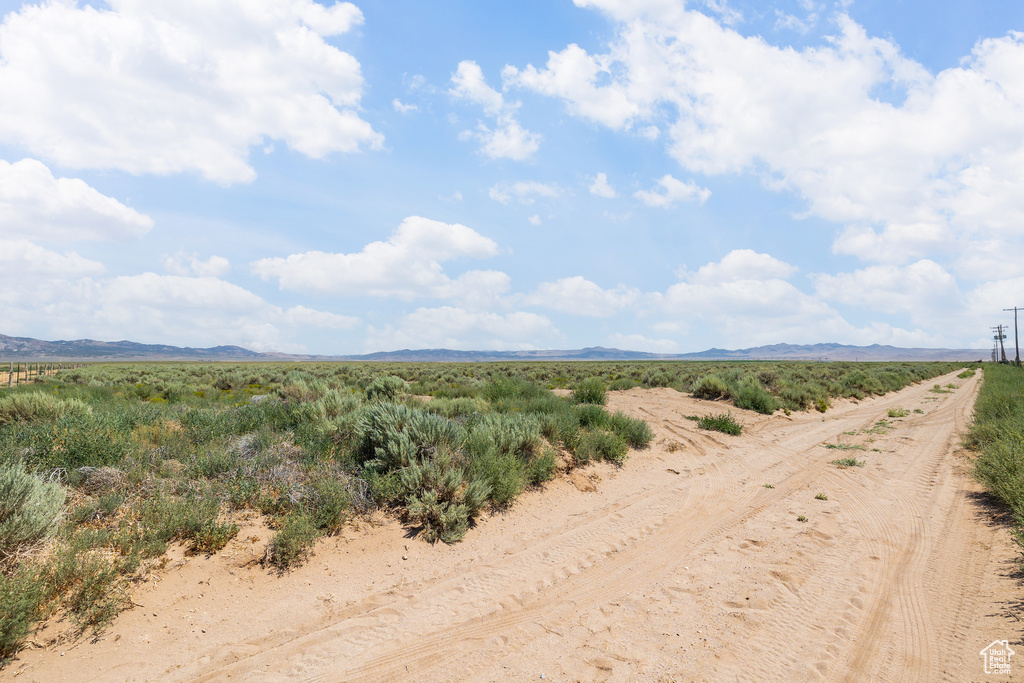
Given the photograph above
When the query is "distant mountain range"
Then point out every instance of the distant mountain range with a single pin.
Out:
(844, 352)
(25, 349)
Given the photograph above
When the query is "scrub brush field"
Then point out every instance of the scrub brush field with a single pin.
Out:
(527, 479)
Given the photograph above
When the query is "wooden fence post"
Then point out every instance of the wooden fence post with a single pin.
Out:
(10, 376)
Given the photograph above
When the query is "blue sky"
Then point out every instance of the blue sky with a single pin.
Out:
(646, 174)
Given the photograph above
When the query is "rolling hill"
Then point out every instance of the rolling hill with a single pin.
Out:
(27, 349)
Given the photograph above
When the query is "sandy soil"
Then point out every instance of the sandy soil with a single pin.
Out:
(681, 566)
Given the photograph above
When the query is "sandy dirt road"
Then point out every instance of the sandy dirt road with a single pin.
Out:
(681, 566)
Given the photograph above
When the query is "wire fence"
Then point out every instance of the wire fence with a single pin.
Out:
(16, 374)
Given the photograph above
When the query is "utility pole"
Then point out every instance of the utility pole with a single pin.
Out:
(999, 337)
(1016, 339)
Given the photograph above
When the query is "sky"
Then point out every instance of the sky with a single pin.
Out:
(653, 175)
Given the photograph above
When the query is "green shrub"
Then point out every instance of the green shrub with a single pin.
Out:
(848, 462)
(210, 462)
(453, 407)
(329, 502)
(542, 468)
(561, 428)
(710, 388)
(752, 396)
(143, 391)
(212, 535)
(292, 543)
(500, 449)
(510, 433)
(164, 519)
(200, 425)
(505, 473)
(590, 390)
(440, 499)
(724, 423)
(441, 520)
(92, 600)
(29, 508)
(385, 488)
(391, 435)
(600, 445)
(1001, 467)
(591, 415)
(997, 432)
(103, 508)
(795, 396)
(243, 492)
(334, 404)
(76, 441)
(22, 596)
(227, 382)
(35, 406)
(386, 388)
(857, 384)
(176, 393)
(503, 390)
(636, 432)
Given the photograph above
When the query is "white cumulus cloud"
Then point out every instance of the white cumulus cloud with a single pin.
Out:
(22, 262)
(36, 205)
(909, 162)
(579, 296)
(507, 139)
(166, 86)
(601, 188)
(468, 83)
(747, 296)
(923, 289)
(742, 264)
(65, 293)
(453, 327)
(190, 264)
(303, 316)
(669, 191)
(406, 266)
(403, 108)
(638, 342)
(572, 75)
(526, 192)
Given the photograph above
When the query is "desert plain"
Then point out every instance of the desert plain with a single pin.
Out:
(706, 557)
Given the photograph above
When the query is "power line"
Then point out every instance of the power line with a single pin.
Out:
(999, 337)
(1016, 339)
